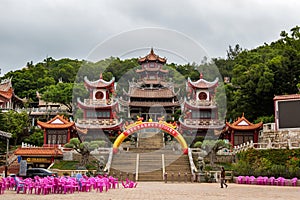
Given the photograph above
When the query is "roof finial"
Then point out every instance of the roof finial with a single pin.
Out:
(201, 75)
(151, 52)
(243, 114)
(101, 77)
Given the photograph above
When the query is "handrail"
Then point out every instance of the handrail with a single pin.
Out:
(192, 164)
(11, 159)
(163, 165)
(108, 164)
(137, 167)
(51, 165)
(269, 145)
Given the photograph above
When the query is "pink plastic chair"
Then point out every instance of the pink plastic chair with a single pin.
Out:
(240, 179)
(246, 180)
(252, 180)
(271, 181)
(20, 186)
(113, 182)
(100, 184)
(11, 182)
(2, 187)
(265, 180)
(259, 180)
(279, 181)
(129, 184)
(294, 181)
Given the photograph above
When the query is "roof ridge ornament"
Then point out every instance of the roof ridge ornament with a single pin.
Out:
(152, 51)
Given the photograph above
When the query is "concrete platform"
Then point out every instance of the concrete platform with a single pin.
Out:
(181, 191)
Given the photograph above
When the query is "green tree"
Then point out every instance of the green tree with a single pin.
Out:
(84, 148)
(36, 137)
(59, 93)
(16, 123)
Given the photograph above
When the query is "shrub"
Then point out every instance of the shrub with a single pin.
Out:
(271, 162)
(197, 144)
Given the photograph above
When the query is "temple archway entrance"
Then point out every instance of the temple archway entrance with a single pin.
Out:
(162, 125)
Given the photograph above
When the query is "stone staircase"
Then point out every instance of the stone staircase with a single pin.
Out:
(123, 165)
(150, 166)
(176, 164)
(149, 141)
(150, 151)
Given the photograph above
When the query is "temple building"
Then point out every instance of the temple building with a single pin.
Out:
(200, 111)
(41, 157)
(99, 110)
(57, 131)
(8, 99)
(241, 131)
(151, 96)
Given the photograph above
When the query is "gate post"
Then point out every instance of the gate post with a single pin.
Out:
(166, 177)
(185, 177)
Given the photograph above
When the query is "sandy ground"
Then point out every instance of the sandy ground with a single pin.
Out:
(158, 190)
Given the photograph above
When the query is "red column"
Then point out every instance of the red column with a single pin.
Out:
(232, 137)
(255, 136)
(45, 137)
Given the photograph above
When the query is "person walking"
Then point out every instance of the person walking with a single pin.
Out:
(223, 177)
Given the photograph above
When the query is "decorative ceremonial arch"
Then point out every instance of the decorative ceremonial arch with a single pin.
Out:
(162, 125)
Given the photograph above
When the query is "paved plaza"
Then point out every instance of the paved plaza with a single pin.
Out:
(159, 190)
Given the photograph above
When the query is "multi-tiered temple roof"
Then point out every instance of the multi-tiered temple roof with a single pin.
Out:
(151, 96)
(152, 57)
(200, 111)
(101, 108)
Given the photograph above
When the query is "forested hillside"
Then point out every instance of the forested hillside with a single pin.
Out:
(256, 75)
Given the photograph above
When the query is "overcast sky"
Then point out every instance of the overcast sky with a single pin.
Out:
(31, 30)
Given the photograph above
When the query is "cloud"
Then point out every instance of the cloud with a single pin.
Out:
(34, 29)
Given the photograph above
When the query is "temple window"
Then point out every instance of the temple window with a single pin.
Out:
(202, 96)
(241, 137)
(99, 95)
(203, 115)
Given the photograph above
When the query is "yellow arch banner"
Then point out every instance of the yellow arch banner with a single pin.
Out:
(162, 125)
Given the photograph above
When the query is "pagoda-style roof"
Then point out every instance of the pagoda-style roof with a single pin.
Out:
(7, 92)
(96, 106)
(151, 93)
(58, 122)
(243, 124)
(286, 97)
(99, 83)
(152, 57)
(38, 151)
(203, 84)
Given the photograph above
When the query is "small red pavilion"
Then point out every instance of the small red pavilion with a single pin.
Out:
(57, 131)
(241, 131)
